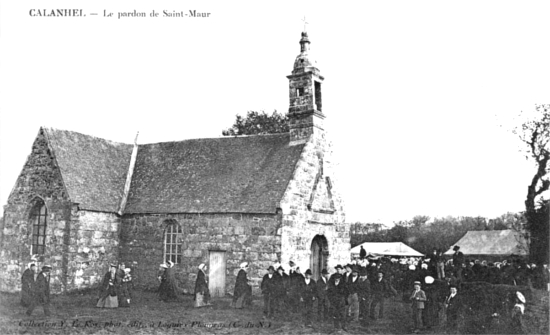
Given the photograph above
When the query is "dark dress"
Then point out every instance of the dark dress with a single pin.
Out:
(242, 295)
(27, 280)
(41, 293)
(202, 293)
(168, 289)
(109, 291)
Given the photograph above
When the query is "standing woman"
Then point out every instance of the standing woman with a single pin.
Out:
(27, 281)
(202, 294)
(109, 289)
(517, 326)
(168, 290)
(243, 292)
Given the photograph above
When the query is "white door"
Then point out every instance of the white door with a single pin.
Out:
(216, 283)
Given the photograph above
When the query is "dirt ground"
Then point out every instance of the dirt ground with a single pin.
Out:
(76, 314)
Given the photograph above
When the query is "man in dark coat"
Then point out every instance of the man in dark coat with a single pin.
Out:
(354, 288)
(282, 285)
(362, 253)
(337, 293)
(458, 258)
(27, 280)
(269, 287)
(296, 278)
(308, 294)
(380, 289)
(41, 291)
(323, 303)
(364, 295)
(453, 309)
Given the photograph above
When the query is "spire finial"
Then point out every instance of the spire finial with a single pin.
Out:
(135, 140)
(305, 23)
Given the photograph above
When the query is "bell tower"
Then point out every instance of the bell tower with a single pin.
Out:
(305, 110)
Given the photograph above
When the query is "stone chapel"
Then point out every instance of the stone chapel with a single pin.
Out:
(82, 202)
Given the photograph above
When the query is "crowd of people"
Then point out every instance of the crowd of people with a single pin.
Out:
(354, 293)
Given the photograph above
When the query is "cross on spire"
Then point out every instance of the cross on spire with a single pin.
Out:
(305, 22)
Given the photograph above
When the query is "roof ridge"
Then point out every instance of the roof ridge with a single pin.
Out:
(79, 133)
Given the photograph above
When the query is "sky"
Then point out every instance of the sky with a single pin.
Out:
(420, 97)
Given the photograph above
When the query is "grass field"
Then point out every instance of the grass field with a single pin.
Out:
(77, 314)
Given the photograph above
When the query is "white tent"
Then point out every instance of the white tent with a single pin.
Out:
(386, 248)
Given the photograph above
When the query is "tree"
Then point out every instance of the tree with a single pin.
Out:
(258, 123)
(535, 134)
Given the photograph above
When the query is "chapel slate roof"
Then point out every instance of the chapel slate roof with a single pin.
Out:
(93, 169)
(218, 175)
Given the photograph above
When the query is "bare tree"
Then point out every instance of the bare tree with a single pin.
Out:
(535, 133)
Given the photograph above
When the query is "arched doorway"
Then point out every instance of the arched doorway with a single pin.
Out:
(319, 255)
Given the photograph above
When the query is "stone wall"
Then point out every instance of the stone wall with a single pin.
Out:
(79, 244)
(93, 245)
(312, 206)
(255, 238)
(40, 181)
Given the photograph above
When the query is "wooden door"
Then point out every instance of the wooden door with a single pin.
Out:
(216, 283)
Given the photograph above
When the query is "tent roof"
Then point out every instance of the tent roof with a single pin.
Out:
(387, 248)
(491, 242)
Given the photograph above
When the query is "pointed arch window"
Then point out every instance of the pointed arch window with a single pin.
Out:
(172, 241)
(38, 218)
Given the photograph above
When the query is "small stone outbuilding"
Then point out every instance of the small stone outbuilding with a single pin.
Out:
(82, 202)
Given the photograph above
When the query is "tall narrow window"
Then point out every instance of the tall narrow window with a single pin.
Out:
(38, 218)
(172, 242)
(318, 100)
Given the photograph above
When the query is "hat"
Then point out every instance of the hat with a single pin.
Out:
(424, 266)
(271, 268)
(355, 269)
(520, 297)
(363, 272)
(244, 265)
(336, 276)
(164, 266)
(339, 267)
(170, 264)
(429, 279)
(46, 268)
(31, 264)
(280, 268)
(291, 263)
(456, 247)
(349, 266)
(412, 267)
(202, 266)
(324, 272)
(308, 272)
(417, 283)
(113, 265)
(127, 270)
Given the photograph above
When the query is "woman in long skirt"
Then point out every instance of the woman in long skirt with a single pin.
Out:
(168, 289)
(202, 294)
(109, 289)
(243, 292)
